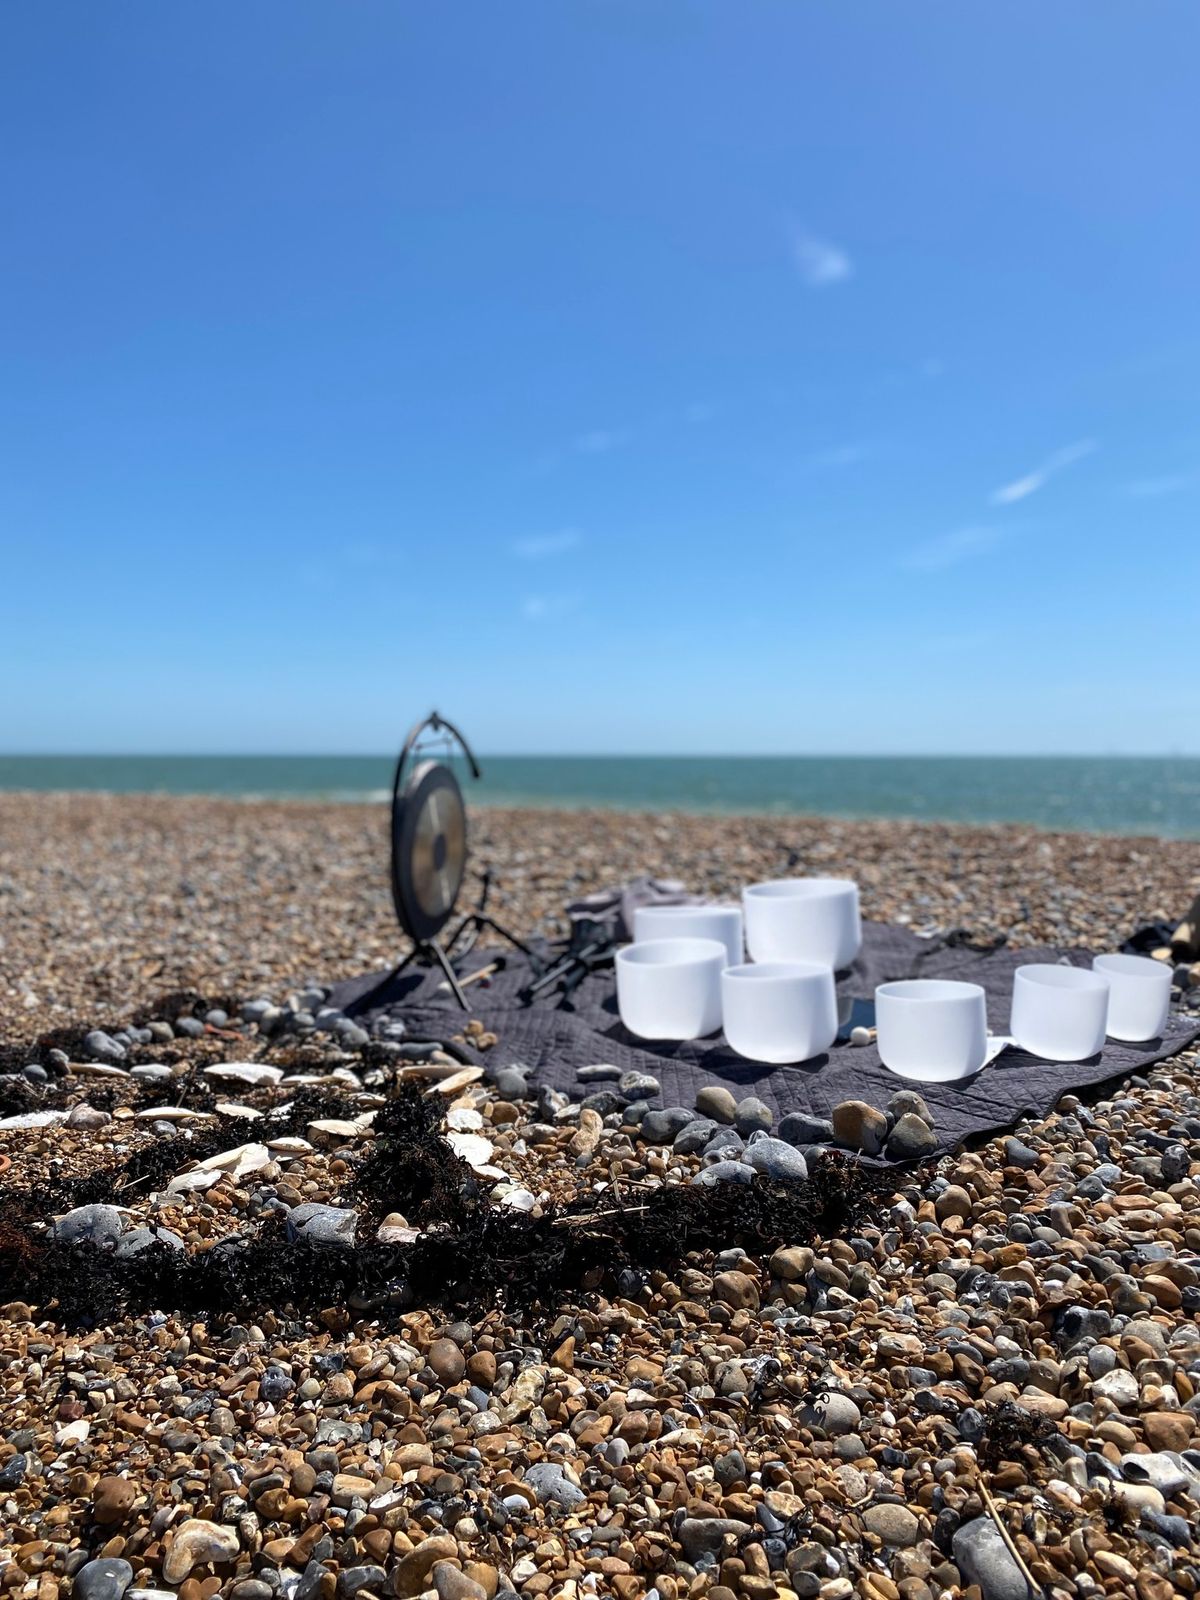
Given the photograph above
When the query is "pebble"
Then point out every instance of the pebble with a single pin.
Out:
(106, 1578)
(752, 1115)
(716, 1103)
(912, 1139)
(983, 1558)
(859, 1126)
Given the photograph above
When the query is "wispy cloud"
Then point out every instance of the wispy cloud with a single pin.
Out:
(949, 549)
(598, 441)
(542, 607)
(819, 262)
(1022, 488)
(537, 546)
(840, 455)
(1155, 488)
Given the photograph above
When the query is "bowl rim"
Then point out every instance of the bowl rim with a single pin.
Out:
(1050, 975)
(776, 971)
(959, 990)
(652, 952)
(1143, 968)
(800, 889)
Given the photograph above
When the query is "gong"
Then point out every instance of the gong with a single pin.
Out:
(429, 849)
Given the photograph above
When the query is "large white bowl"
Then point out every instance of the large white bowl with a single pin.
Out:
(803, 919)
(670, 988)
(692, 922)
(1059, 1013)
(932, 1030)
(1139, 995)
(779, 1011)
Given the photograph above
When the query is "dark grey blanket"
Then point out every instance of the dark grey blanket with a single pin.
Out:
(557, 1042)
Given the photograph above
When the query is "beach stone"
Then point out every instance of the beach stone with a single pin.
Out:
(752, 1115)
(104, 1579)
(549, 1482)
(1018, 1154)
(351, 1579)
(725, 1172)
(639, 1086)
(983, 1558)
(85, 1116)
(198, 1542)
(1168, 1430)
(895, 1525)
(834, 1413)
(100, 1046)
(112, 1499)
(725, 1144)
(603, 1072)
(716, 1103)
(661, 1126)
(414, 1568)
(736, 1289)
(452, 1583)
(908, 1103)
(704, 1536)
(588, 1133)
(330, 1225)
(911, 1138)
(254, 1073)
(447, 1361)
(799, 1128)
(792, 1262)
(860, 1126)
(95, 1224)
(954, 1201)
(139, 1239)
(693, 1138)
(1119, 1386)
(775, 1159)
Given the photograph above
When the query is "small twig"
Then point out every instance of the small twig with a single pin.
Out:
(994, 1513)
(484, 972)
(595, 1216)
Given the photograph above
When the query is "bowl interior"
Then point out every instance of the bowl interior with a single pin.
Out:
(800, 888)
(926, 991)
(775, 971)
(671, 952)
(1078, 978)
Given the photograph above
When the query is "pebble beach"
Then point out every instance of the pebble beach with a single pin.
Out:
(986, 1385)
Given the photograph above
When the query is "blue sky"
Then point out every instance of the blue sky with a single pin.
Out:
(615, 376)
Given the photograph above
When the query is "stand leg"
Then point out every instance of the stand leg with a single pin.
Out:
(451, 975)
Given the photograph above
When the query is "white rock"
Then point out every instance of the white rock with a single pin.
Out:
(252, 1072)
(230, 1108)
(173, 1114)
(474, 1149)
(333, 1128)
(35, 1119)
(74, 1432)
(513, 1195)
(194, 1181)
(463, 1120)
(246, 1158)
(289, 1144)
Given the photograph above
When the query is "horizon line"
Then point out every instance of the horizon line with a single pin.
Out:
(608, 755)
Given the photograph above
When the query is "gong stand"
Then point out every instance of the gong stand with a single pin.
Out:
(429, 854)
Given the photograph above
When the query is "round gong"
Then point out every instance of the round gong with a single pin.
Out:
(429, 849)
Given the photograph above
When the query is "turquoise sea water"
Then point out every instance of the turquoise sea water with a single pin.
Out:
(1158, 795)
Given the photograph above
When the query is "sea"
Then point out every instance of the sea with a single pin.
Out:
(1124, 795)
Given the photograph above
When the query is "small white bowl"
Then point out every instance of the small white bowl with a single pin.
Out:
(931, 1030)
(1139, 995)
(803, 919)
(779, 1011)
(1059, 1013)
(670, 988)
(692, 922)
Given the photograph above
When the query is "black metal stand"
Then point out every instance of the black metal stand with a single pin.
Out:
(425, 949)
